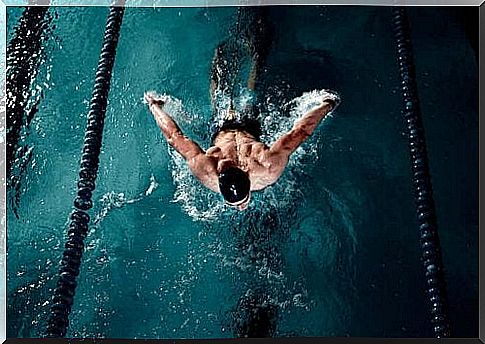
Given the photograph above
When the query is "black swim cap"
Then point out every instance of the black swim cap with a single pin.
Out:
(234, 184)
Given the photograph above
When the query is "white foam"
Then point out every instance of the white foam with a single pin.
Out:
(112, 200)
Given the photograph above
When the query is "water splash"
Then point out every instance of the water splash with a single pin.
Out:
(113, 200)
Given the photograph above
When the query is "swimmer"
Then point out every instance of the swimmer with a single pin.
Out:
(237, 163)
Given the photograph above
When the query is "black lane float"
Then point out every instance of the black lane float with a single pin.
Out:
(78, 227)
(423, 193)
(24, 52)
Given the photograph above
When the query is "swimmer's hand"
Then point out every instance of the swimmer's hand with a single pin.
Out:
(152, 98)
(331, 98)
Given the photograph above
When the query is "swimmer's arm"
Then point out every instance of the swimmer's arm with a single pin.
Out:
(186, 147)
(302, 129)
(205, 170)
(201, 166)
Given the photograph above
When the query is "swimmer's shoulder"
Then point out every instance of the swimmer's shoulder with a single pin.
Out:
(214, 152)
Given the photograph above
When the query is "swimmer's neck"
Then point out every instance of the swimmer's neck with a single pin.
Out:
(226, 163)
(233, 134)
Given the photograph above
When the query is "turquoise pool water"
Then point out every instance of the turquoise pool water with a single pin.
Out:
(333, 247)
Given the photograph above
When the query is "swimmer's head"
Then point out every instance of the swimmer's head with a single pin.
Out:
(234, 185)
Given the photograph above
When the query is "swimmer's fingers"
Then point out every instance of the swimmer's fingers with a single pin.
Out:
(148, 97)
(152, 98)
(331, 97)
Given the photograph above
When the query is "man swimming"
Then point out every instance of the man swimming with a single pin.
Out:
(237, 163)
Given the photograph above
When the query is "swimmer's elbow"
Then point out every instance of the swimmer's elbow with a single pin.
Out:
(304, 130)
(170, 140)
(175, 139)
(300, 133)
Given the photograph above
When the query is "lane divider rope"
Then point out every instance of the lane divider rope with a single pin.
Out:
(24, 55)
(423, 193)
(62, 301)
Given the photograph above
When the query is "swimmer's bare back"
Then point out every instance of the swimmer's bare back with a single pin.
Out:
(263, 164)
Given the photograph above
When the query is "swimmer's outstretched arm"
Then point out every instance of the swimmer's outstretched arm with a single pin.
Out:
(202, 167)
(303, 128)
(182, 144)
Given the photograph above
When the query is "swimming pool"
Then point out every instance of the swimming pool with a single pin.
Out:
(333, 247)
